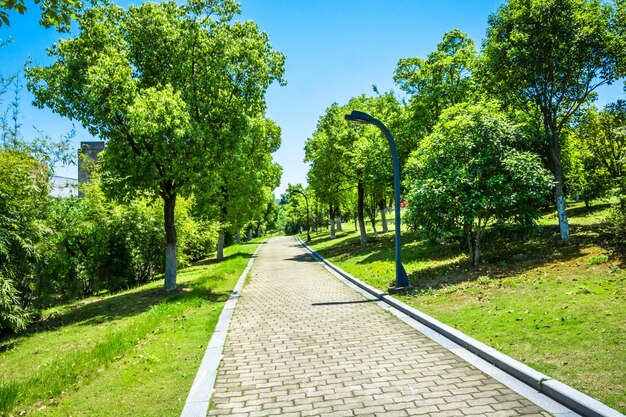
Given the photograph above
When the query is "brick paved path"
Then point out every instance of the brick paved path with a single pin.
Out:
(301, 343)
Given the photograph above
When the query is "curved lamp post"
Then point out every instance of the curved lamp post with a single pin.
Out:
(402, 280)
(308, 219)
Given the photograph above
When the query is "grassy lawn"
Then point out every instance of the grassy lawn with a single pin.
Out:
(132, 353)
(558, 307)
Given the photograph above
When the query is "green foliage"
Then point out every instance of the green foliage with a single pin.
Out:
(23, 197)
(172, 88)
(54, 13)
(466, 174)
(350, 162)
(483, 279)
(617, 225)
(602, 145)
(93, 244)
(546, 58)
(100, 348)
(12, 315)
(441, 80)
(598, 259)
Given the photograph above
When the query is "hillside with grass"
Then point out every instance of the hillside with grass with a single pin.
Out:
(559, 307)
(131, 353)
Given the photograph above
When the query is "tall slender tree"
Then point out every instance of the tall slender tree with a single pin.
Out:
(548, 57)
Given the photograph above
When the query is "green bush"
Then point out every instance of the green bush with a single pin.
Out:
(93, 244)
(23, 197)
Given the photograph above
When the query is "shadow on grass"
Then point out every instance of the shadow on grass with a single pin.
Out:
(583, 211)
(213, 261)
(507, 251)
(98, 310)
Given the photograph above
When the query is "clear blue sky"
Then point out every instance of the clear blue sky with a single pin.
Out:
(336, 49)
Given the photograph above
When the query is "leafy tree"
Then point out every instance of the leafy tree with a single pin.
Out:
(603, 139)
(331, 152)
(171, 88)
(441, 80)
(247, 179)
(293, 206)
(346, 157)
(23, 198)
(547, 57)
(466, 173)
(54, 13)
(584, 176)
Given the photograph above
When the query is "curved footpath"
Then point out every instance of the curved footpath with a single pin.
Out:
(301, 343)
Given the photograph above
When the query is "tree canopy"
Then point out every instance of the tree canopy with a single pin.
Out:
(171, 88)
(466, 173)
(548, 57)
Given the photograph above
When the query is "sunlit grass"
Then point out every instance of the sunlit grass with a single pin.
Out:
(133, 353)
(558, 307)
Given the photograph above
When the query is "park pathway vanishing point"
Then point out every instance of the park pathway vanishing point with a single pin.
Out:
(301, 343)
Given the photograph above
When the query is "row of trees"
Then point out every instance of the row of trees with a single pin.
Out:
(178, 94)
(488, 136)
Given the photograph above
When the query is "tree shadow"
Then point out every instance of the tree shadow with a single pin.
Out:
(507, 251)
(213, 261)
(95, 311)
(583, 211)
(304, 257)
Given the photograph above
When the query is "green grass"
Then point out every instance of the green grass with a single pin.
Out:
(558, 307)
(133, 353)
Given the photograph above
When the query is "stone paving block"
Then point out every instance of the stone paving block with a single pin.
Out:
(301, 343)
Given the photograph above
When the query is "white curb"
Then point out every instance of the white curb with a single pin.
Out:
(197, 402)
(548, 393)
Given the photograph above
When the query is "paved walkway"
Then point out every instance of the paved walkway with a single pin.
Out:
(301, 343)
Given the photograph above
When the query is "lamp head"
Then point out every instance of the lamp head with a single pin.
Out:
(359, 117)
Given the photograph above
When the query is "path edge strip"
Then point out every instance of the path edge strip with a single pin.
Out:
(551, 388)
(197, 403)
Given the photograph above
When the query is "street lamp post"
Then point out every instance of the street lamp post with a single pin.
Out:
(308, 219)
(402, 280)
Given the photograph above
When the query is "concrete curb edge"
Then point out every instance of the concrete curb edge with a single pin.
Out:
(561, 393)
(197, 402)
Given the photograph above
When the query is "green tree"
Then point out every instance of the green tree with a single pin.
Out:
(548, 57)
(441, 80)
(23, 198)
(466, 173)
(170, 87)
(247, 179)
(54, 13)
(346, 157)
(603, 138)
(332, 152)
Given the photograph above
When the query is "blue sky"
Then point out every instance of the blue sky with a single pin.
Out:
(336, 49)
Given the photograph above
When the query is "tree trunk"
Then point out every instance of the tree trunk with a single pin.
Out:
(220, 245)
(338, 218)
(258, 231)
(373, 221)
(250, 234)
(467, 230)
(361, 212)
(555, 160)
(560, 209)
(332, 222)
(476, 260)
(238, 236)
(171, 265)
(383, 215)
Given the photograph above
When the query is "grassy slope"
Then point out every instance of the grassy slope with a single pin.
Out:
(560, 308)
(133, 353)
